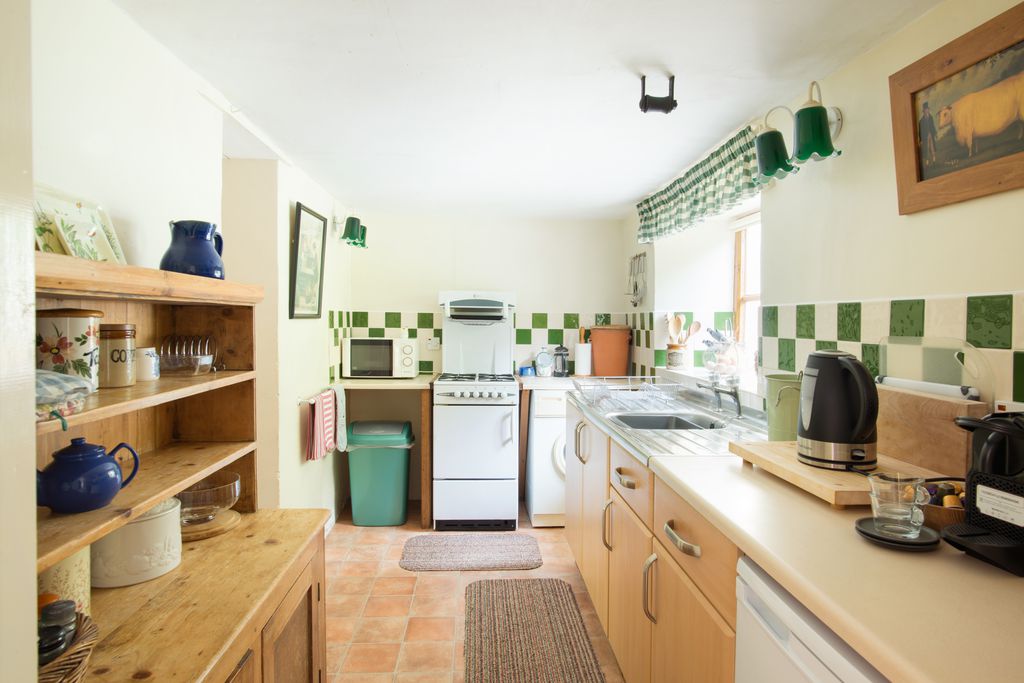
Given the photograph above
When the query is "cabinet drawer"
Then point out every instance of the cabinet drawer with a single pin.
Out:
(633, 481)
(704, 553)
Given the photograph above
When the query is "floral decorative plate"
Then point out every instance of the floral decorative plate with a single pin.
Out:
(65, 225)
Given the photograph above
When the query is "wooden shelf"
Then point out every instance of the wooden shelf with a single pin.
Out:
(163, 472)
(180, 625)
(111, 402)
(66, 276)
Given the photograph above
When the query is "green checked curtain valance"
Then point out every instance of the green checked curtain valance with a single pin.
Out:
(713, 185)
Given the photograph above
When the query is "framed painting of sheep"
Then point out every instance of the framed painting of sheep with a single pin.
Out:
(958, 117)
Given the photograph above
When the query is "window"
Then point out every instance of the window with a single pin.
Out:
(747, 279)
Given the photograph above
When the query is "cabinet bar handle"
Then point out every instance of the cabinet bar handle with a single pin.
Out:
(604, 524)
(648, 563)
(687, 548)
(625, 481)
(576, 449)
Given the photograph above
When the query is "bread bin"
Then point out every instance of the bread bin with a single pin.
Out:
(143, 549)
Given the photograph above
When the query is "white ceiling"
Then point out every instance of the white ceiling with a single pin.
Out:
(524, 108)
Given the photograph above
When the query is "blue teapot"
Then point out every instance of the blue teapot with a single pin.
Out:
(195, 249)
(82, 477)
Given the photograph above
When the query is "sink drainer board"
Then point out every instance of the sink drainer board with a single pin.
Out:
(838, 488)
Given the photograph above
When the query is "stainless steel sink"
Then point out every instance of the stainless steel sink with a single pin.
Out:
(671, 421)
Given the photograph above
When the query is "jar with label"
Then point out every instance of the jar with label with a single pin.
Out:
(117, 354)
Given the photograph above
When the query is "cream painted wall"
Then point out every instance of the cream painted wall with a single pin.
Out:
(120, 120)
(17, 361)
(833, 232)
(694, 269)
(550, 265)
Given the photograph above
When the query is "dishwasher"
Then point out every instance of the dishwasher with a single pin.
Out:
(778, 640)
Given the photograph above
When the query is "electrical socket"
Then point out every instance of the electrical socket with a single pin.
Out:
(433, 344)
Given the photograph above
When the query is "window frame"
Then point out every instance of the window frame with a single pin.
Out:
(740, 295)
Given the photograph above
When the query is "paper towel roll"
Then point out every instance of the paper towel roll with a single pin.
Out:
(583, 360)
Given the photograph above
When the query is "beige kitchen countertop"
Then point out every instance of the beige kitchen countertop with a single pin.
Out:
(419, 382)
(556, 383)
(937, 616)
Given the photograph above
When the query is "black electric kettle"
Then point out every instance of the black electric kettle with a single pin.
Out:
(838, 410)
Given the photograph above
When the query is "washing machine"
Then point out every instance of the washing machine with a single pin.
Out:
(545, 459)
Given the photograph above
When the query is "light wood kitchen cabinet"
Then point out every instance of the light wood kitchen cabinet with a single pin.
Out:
(248, 670)
(586, 479)
(292, 639)
(691, 642)
(629, 616)
(632, 481)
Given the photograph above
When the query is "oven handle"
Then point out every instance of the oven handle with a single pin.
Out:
(511, 426)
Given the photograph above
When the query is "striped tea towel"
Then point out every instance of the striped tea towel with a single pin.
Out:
(320, 433)
(340, 430)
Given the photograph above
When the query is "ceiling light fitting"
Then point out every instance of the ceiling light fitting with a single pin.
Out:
(814, 128)
(652, 103)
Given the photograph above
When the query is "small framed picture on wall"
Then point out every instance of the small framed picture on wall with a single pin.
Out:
(309, 237)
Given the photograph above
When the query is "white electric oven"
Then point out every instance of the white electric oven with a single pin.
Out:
(377, 357)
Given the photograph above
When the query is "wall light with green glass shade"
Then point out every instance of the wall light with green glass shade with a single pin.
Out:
(772, 156)
(355, 232)
(814, 126)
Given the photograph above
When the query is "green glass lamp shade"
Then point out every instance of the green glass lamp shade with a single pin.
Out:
(772, 157)
(811, 136)
(361, 242)
(351, 234)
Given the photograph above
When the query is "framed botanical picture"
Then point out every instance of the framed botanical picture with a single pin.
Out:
(958, 117)
(309, 236)
(68, 225)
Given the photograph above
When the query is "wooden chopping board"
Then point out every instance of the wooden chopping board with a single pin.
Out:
(832, 486)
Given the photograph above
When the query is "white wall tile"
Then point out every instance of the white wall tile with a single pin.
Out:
(787, 322)
(946, 317)
(376, 318)
(1001, 361)
(826, 322)
(770, 349)
(1018, 321)
(804, 347)
(850, 347)
(874, 321)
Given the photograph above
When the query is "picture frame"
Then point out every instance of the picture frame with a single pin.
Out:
(945, 154)
(308, 244)
(76, 227)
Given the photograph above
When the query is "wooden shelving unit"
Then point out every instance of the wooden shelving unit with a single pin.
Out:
(236, 599)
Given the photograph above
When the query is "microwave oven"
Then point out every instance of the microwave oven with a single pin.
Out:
(376, 357)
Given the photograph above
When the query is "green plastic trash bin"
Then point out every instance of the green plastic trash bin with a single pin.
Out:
(378, 468)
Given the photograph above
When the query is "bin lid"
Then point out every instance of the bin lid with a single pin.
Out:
(379, 433)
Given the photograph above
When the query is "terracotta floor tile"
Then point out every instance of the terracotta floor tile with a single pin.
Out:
(364, 568)
(429, 583)
(336, 553)
(459, 656)
(345, 605)
(387, 606)
(603, 650)
(430, 605)
(394, 585)
(425, 677)
(430, 628)
(612, 674)
(458, 677)
(370, 658)
(362, 678)
(585, 604)
(394, 552)
(593, 625)
(335, 656)
(391, 568)
(460, 628)
(379, 630)
(340, 629)
(362, 552)
(351, 585)
(376, 536)
(426, 657)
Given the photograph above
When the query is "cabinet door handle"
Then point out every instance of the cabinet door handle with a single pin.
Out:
(687, 548)
(648, 563)
(625, 481)
(576, 448)
(604, 524)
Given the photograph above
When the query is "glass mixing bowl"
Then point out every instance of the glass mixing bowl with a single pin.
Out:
(202, 502)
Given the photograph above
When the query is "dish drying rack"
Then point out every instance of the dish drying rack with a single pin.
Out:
(629, 393)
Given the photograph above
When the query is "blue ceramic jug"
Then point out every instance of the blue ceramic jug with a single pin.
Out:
(195, 249)
(82, 477)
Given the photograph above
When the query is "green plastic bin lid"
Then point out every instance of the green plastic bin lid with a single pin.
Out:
(373, 434)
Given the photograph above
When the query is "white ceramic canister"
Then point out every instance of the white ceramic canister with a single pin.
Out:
(143, 549)
(67, 341)
(117, 355)
(147, 365)
(69, 579)
(678, 357)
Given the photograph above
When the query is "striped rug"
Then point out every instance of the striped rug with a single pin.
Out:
(470, 552)
(527, 631)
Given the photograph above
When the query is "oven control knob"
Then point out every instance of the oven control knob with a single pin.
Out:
(475, 394)
(489, 394)
(459, 394)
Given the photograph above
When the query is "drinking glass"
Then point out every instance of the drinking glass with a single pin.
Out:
(896, 502)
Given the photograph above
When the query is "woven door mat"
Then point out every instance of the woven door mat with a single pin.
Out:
(527, 631)
(470, 552)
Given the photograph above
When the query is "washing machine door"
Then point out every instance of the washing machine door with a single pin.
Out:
(558, 455)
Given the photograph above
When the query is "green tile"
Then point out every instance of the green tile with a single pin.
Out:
(770, 321)
(412, 332)
(330, 374)
(805, 321)
(1018, 376)
(335, 336)
(698, 358)
(821, 345)
(330, 319)
(572, 367)
(424, 321)
(437, 334)
(632, 368)
(634, 324)
(555, 337)
(603, 319)
(787, 354)
(906, 318)
(348, 318)
(650, 320)
(426, 366)
(360, 319)
(524, 336)
(643, 370)
(760, 352)
(540, 321)
(636, 338)
(869, 356)
(722, 318)
(660, 357)
(571, 321)
(990, 321)
(849, 321)
(375, 332)
(647, 339)
(392, 319)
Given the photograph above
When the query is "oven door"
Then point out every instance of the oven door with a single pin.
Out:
(476, 442)
(370, 358)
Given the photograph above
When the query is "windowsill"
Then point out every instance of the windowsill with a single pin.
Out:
(750, 396)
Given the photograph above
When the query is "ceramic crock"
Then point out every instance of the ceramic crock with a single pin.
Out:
(67, 341)
(82, 477)
(143, 549)
(195, 249)
(69, 579)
